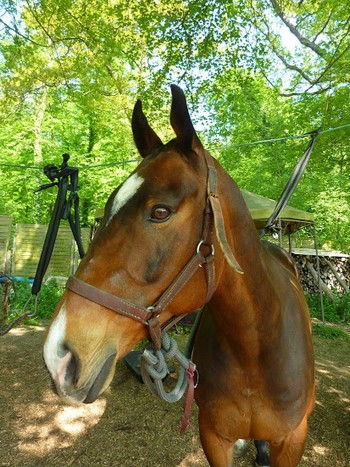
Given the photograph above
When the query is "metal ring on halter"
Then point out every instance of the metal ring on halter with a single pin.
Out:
(212, 249)
(152, 309)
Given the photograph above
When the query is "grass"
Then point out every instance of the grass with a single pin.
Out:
(329, 332)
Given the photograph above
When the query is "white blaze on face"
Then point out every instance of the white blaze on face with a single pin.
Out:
(54, 351)
(126, 192)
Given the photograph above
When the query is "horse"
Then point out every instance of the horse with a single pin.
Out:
(177, 237)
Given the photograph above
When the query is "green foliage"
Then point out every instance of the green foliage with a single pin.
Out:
(329, 332)
(48, 298)
(337, 312)
(71, 71)
(250, 111)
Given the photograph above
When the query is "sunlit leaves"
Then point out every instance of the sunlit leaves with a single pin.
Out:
(237, 61)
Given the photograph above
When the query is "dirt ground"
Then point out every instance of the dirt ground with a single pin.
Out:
(128, 426)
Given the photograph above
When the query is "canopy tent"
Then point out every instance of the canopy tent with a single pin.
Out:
(261, 208)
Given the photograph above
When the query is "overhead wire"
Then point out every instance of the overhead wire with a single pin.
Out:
(212, 148)
(283, 138)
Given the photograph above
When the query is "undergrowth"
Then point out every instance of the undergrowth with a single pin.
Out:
(337, 311)
(48, 298)
(329, 332)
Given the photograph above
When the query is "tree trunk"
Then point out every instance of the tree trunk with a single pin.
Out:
(5, 291)
(38, 151)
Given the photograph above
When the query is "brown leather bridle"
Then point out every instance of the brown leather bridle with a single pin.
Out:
(148, 316)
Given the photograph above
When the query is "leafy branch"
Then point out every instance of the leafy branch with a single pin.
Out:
(302, 39)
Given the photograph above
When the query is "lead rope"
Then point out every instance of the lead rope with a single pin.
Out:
(24, 315)
(154, 369)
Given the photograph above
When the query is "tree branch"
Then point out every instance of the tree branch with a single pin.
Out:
(324, 27)
(27, 38)
(312, 81)
(289, 66)
(53, 40)
(307, 91)
(303, 40)
(112, 74)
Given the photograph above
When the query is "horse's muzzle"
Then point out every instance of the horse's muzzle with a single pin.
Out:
(66, 377)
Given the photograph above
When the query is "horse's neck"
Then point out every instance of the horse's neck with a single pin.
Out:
(238, 298)
(241, 232)
(239, 315)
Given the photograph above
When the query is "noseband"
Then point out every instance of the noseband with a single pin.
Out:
(149, 315)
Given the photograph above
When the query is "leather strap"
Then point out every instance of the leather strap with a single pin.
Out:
(108, 300)
(148, 316)
(191, 385)
(179, 282)
(219, 223)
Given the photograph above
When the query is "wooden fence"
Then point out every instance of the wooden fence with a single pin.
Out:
(5, 232)
(20, 256)
(28, 244)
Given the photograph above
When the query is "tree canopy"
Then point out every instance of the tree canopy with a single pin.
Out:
(253, 70)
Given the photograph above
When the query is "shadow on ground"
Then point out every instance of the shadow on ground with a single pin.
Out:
(130, 427)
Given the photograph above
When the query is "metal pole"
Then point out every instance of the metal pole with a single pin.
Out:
(290, 240)
(280, 233)
(318, 271)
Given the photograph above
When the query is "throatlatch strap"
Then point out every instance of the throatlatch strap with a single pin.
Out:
(218, 215)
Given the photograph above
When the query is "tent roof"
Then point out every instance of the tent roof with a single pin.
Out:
(261, 208)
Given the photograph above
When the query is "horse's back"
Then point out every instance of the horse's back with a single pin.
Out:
(282, 256)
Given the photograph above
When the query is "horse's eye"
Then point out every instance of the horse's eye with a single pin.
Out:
(160, 214)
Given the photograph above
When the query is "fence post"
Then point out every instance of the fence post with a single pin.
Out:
(5, 290)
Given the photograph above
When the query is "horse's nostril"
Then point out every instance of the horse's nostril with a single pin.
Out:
(62, 351)
(73, 367)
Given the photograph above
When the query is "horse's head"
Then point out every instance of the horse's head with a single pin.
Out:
(152, 225)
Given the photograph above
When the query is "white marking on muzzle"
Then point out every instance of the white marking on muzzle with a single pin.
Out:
(126, 192)
(54, 351)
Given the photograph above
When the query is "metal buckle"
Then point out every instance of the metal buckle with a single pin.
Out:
(211, 246)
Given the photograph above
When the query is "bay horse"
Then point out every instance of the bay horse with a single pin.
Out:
(180, 219)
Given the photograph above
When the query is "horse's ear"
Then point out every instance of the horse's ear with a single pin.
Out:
(145, 138)
(181, 121)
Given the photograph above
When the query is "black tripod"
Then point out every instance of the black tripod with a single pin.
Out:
(67, 182)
